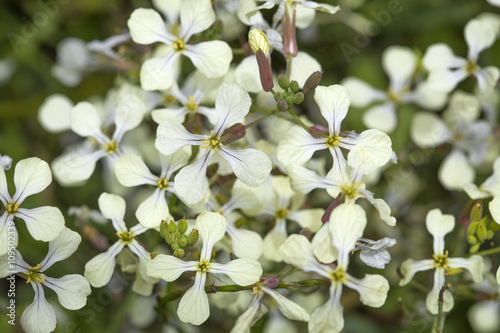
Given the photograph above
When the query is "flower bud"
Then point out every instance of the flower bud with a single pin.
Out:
(179, 253)
(260, 46)
(481, 232)
(288, 27)
(474, 248)
(163, 229)
(172, 227)
(193, 237)
(258, 41)
(175, 246)
(476, 212)
(298, 98)
(183, 242)
(270, 281)
(282, 105)
(312, 82)
(170, 239)
(294, 86)
(283, 81)
(233, 133)
(289, 100)
(472, 240)
(182, 226)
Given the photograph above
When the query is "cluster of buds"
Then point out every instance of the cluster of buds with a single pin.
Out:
(480, 228)
(175, 236)
(292, 94)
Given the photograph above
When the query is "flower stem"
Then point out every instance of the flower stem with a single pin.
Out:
(485, 252)
(297, 119)
(438, 327)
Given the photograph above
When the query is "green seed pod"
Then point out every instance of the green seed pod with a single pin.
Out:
(179, 253)
(163, 229)
(298, 98)
(172, 227)
(472, 240)
(193, 237)
(283, 81)
(294, 86)
(170, 239)
(183, 242)
(182, 226)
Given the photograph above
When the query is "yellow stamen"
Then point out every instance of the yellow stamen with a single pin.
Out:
(339, 275)
(471, 67)
(179, 45)
(12, 208)
(333, 141)
(126, 237)
(110, 146)
(191, 104)
(203, 266)
(213, 142)
(162, 183)
(281, 213)
(441, 261)
(351, 190)
(35, 275)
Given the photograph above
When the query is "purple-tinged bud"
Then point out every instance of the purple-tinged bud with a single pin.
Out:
(233, 133)
(270, 281)
(265, 71)
(312, 82)
(306, 232)
(282, 105)
(319, 131)
(288, 26)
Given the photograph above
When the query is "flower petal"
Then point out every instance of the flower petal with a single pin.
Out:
(495, 209)
(98, 270)
(172, 136)
(72, 290)
(399, 63)
(63, 246)
(333, 102)
(432, 298)
(455, 172)
(251, 166)
(169, 268)
(211, 58)
(324, 250)
(328, 317)
(441, 56)
(297, 251)
(372, 289)
(212, 227)
(147, 27)
(302, 67)
(232, 103)
(113, 206)
(289, 309)
(196, 16)
(191, 183)
(43, 223)
(39, 316)
(54, 113)
(479, 36)
(193, 307)
(429, 130)
(130, 170)
(308, 218)
(246, 243)
(438, 225)
(75, 167)
(298, 146)
(158, 73)
(32, 175)
(243, 271)
(273, 241)
(85, 121)
(381, 117)
(153, 210)
(361, 92)
(409, 267)
(474, 265)
(128, 114)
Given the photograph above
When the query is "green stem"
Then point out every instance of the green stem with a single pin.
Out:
(263, 109)
(255, 122)
(485, 252)
(438, 328)
(297, 119)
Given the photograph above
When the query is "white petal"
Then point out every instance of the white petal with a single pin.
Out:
(487, 79)
(130, 170)
(244, 197)
(169, 268)
(347, 223)
(445, 80)
(173, 162)
(146, 27)
(43, 223)
(372, 289)
(63, 246)
(384, 211)
(72, 290)
(328, 317)
(98, 270)
(474, 265)
(246, 243)
(441, 56)
(251, 166)
(298, 146)
(273, 241)
(85, 120)
(289, 309)
(210, 58)
(158, 73)
(333, 102)
(246, 74)
(308, 218)
(374, 145)
(429, 130)
(479, 36)
(212, 227)
(409, 267)
(297, 251)
(53, 114)
(232, 104)
(32, 175)
(361, 92)
(128, 114)
(375, 258)
(399, 63)
(39, 316)
(75, 167)
(196, 16)
(485, 309)
(243, 271)
(323, 247)
(432, 298)
(169, 8)
(153, 210)
(169, 114)
(113, 207)
(304, 180)
(381, 117)
(191, 183)
(253, 313)
(322, 7)
(172, 136)
(303, 65)
(455, 171)
(428, 98)
(495, 209)
(438, 225)
(193, 307)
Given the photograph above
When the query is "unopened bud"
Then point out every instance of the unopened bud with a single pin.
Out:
(258, 41)
(182, 226)
(289, 100)
(283, 81)
(472, 240)
(175, 246)
(312, 82)
(306, 232)
(282, 105)
(476, 212)
(170, 239)
(172, 227)
(233, 133)
(294, 86)
(319, 131)
(288, 27)
(265, 71)
(179, 253)
(298, 98)
(490, 234)
(474, 248)
(270, 281)
(163, 229)
(481, 232)
(193, 237)
(183, 242)
(471, 230)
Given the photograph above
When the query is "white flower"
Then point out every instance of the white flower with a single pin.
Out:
(73, 60)
(490, 187)
(374, 253)
(212, 58)
(447, 70)
(346, 225)
(31, 176)
(438, 226)
(98, 270)
(54, 113)
(130, 170)
(72, 290)
(76, 166)
(333, 102)
(193, 306)
(5, 162)
(251, 166)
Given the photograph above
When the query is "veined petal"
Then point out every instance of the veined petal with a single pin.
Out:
(153, 210)
(158, 73)
(429, 130)
(495, 209)
(39, 316)
(399, 63)
(113, 206)
(298, 146)
(85, 121)
(253, 313)
(487, 78)
(43, 223)
(191, 183)
(243, 197)
(196, 16)
(289, 309)
(381, 117)
(273, 241)
(173, 162)
(63, 246)
(322, 7)
(474, 192)
(130, 170)
(147, 27)
(243, 271)
(212, 227)
(169, 268)
(170, 9)
(232, 103)
(72, 290)
(128, 114)
(409, 267)
(438, 225)
(441, 56)
(53, 114)
(172, 136)
(297, 251)
(246, 74)
(193, 307)
(361, 92)
(246, 243)
(308, 218)
(347, 223)
(169, 114)
(374, 145)
(372, 289)
(474, 265)
(328, 317)
(432, 298)
(211, 58)
(98, 270)
(479, 36)
(383, 209)
(4, 190)
(455, 171)
(324, 250)
(76, 166)
(251, 166)
(32, 175)
(333, 102)
(304, 180)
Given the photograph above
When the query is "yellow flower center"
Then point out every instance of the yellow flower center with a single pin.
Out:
(441, 261)
(333, 141)
(393, 96)
(35, 275)
(126, 237)
(471, 66)
(179, 45)
(110, 146)
(213, 142)
(162, 183)
(169, 99)
(203, 266)
(281, 213)
(12, 208)
(191, 104)
(351, 190)
(339, 275)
